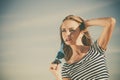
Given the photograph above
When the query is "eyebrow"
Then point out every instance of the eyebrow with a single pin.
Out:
(69, 28)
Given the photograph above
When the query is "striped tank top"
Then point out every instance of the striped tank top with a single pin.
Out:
(91, 67)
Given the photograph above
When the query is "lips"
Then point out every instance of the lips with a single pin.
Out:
(68, 39)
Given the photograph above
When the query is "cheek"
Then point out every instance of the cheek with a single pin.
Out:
(63, 36)
(75, 35)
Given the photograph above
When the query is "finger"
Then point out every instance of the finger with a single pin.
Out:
(56, 67)
(53, 66)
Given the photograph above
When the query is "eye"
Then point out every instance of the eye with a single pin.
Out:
(71, 30)
(63, 30)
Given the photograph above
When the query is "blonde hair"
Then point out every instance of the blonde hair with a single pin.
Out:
(86, 39)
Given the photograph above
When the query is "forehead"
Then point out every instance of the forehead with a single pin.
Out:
(70, 24)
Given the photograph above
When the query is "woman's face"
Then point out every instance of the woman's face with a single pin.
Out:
(70, 32)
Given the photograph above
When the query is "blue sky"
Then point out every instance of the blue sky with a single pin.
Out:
(29, 35)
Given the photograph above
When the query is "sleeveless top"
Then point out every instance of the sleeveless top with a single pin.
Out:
(91, 67)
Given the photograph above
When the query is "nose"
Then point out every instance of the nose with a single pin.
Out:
(68, 33)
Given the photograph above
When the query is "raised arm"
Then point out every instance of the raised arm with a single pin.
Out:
(108, 24)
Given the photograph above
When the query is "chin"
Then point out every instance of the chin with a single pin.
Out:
(69, 43)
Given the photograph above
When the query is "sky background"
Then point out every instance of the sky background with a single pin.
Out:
(29, 35)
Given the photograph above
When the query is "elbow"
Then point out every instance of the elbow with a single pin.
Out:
(112, 21)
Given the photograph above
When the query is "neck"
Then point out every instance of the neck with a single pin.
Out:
(79, 49)
(78, 53)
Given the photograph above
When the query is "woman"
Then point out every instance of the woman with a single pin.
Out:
(84, 60)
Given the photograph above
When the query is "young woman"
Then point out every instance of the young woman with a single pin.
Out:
(85, 59)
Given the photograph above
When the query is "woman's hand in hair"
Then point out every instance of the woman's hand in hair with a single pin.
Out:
(108, 24)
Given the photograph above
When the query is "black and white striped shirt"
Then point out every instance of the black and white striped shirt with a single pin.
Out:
(91, 67)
